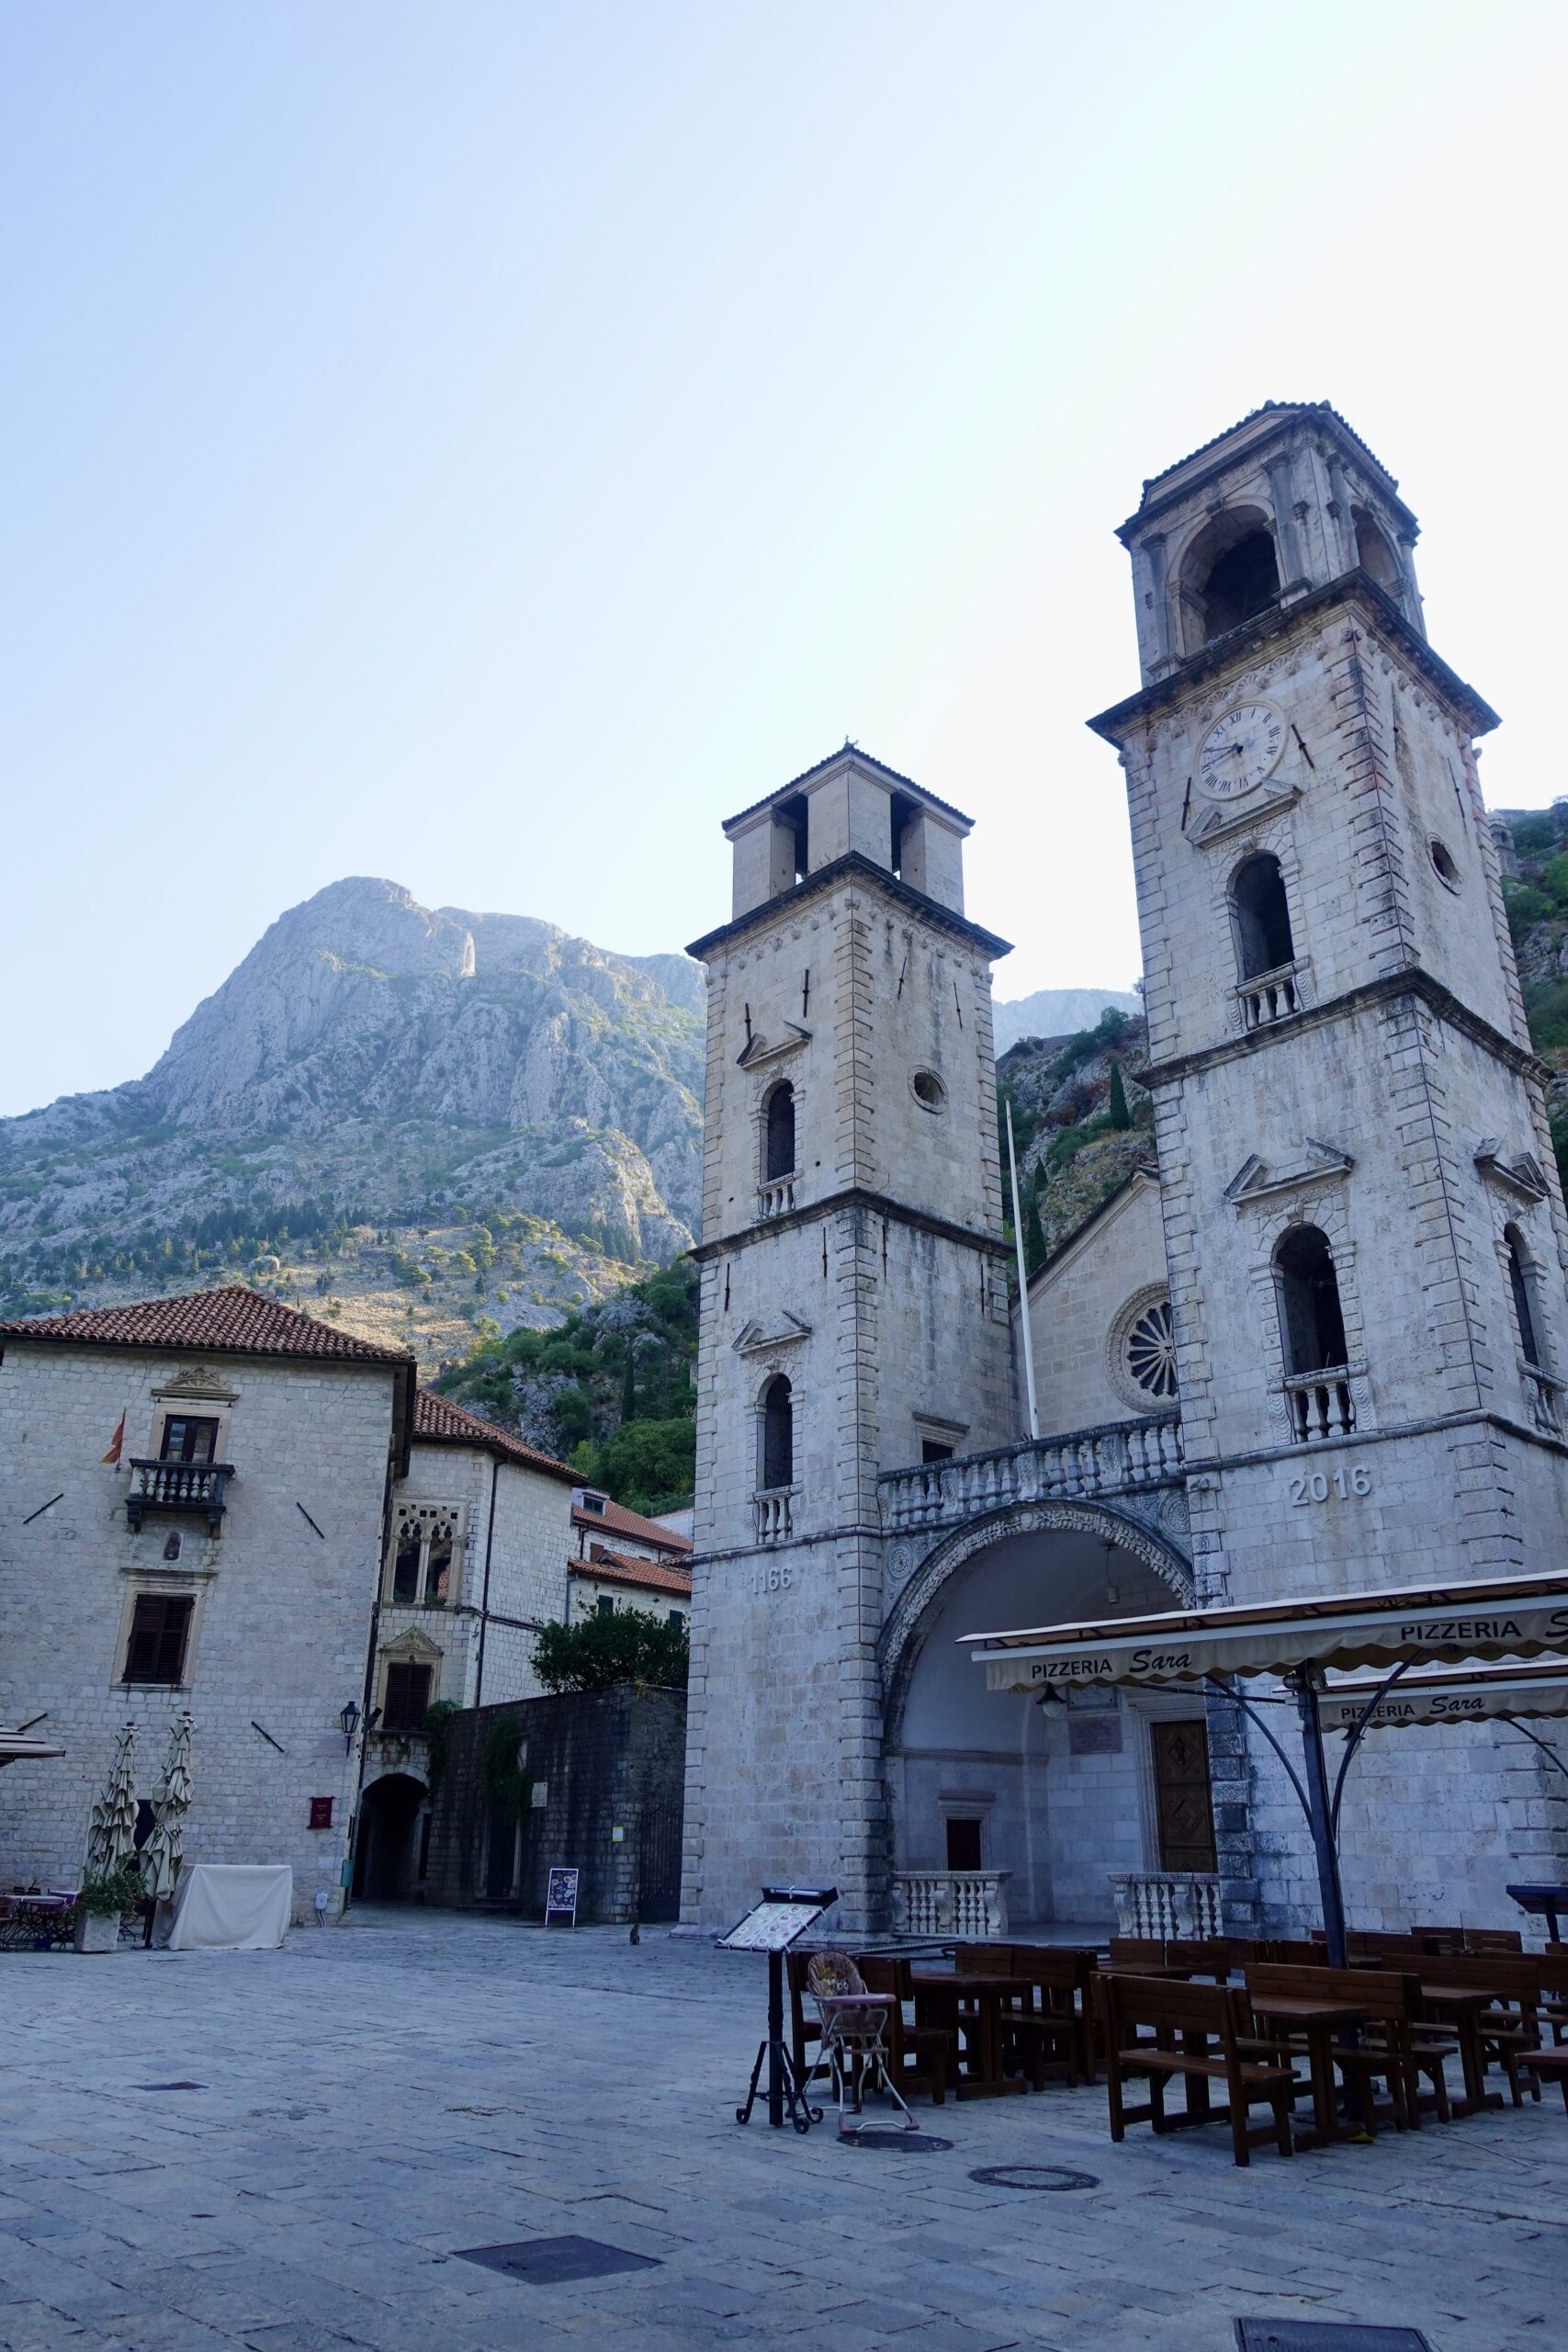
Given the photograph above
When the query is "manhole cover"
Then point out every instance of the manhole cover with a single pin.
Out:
(1042, 2177)
(1324, 2336)
(168, 2087)
(914, 2143)
(550, 2262)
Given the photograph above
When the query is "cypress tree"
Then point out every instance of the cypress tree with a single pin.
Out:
(629, 1385)
(1033, 1233)
(1120, 1114)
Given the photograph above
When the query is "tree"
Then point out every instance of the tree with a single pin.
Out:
(1120, 1114)
(629, 1384)
(631, 1647)
(1033, 1233)
(649, 1465)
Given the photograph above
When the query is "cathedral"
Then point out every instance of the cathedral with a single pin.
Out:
(1320, 1344)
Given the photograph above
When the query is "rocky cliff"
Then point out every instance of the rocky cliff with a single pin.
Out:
(381, 1077)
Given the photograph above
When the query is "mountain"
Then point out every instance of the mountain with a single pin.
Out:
(383, 1099)
(1058, 1012)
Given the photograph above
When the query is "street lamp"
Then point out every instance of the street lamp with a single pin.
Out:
(349, 1720)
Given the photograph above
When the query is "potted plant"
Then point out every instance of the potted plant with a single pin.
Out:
(101, 1905)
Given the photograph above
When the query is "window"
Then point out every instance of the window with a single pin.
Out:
(160, 1627)
(186, 1440)
(1244, 582)
(963, 1842)
(1312, 1323)
(778, 1433)
(605, 1605)
(407, 1697)
(596, 1503)
(778, 1135)
(1150, 1350)
(405, 1568)
(1374, 554)
(929, 1091)
(933, 1450)
(424, 1546)
(1519, 1283)
(1261, 916)
(677, 1617)
(1443, 865)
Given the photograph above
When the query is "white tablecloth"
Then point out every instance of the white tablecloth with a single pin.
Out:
(232, 1907)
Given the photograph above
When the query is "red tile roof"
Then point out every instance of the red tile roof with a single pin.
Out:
(235, 1322)
(621, 1522)
(622, 1567)
(437, 1421)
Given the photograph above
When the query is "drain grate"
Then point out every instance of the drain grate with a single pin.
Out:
(1324, 2336)
(1048, 2178)
(552, 2262)
(168, 2087)
(914, 2143)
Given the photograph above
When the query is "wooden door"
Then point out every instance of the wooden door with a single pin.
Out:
(1182, 1795)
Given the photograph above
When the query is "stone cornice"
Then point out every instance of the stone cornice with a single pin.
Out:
(855, 866)
(854, 1196)
(1387, 990)
(1240, 646)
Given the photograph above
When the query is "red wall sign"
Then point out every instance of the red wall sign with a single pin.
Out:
(320, 1812)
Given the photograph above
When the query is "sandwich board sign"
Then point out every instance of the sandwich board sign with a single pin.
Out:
(561, 1897)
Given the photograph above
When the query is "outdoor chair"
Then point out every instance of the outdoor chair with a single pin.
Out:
(1137, 1951)
(1055, 2022)
(1196, 2032)
(1551, 1967)
(1388, 2048)
(854, 2034)
(1550, 2065)
(921, 2059)
(1512, 2027)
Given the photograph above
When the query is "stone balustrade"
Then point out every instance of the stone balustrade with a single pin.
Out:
(1123, 1457)
(1270, 997)
(776, 1197)
(1167, 1902)
(1320, 1404)
(950, 1903)
(772, 1508)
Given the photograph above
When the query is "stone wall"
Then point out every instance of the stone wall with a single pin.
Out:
(1078, 1303)
(596, 1761)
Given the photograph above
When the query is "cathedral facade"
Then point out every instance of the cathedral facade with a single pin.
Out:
(1322, 1345)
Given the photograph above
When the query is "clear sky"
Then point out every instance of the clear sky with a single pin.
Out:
(485, 444)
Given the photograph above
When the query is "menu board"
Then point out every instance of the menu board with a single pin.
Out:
(560, 1897)
(775, 1922)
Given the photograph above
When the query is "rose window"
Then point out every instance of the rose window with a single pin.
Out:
(1150, 1351)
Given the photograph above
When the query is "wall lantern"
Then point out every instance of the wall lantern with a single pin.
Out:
(349, 1721)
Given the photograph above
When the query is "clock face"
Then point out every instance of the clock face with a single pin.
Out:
(1239, 750)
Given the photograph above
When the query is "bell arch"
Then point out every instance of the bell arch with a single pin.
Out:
(910, 1619)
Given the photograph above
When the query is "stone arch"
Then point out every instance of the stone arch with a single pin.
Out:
(903, 1634)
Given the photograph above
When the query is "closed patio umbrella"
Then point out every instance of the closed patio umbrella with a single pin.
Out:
(161, 1854)
(112, 1834)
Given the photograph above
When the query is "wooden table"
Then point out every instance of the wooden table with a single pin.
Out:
(1317, 2021)
(940, 1997)
(1465, 2003)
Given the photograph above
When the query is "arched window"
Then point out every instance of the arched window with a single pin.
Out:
(778, 1133)
(1374, 554)
(1519, 1283)
(1229, 573)
(778, 1433)
(1311, 1323)
(1262, 916)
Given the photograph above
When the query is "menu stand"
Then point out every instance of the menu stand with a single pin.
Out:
(771, 1926)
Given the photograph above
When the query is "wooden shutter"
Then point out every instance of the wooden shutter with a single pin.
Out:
(156, 1651)
(408, 1696)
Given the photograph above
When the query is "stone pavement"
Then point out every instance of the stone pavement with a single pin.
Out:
(375, 2098)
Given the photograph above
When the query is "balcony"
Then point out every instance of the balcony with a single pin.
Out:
(776, 1197)
(1542, 1391)
(772, 1509)
(183, 1489)
(1269, 997)
(1122, 1457)
(1320, 1404)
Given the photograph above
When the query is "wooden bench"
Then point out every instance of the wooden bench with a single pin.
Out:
(1390, 2048)
(921, 2059)
(1549, 2065)
(1195, 2032)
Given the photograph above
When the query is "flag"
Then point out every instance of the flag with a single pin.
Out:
(117, 1440)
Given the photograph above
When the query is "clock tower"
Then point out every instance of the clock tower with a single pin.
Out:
(1364, 1224)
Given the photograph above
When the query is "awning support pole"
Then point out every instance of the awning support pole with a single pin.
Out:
(1320, 1814)
(1358, 1733)
(1550, 1753)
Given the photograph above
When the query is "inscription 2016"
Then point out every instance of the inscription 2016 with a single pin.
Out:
(1318, 1486)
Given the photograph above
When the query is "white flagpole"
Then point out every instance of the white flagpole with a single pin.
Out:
(1022, 1286)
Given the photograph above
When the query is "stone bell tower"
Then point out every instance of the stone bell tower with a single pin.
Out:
(1363, 1222)
(854, 1306)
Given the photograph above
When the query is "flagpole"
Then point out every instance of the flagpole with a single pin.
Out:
(1022, 1283)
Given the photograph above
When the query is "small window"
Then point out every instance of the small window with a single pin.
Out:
(1261, 915)
(1244, 582)
(929, 1091)
(1374, 555)
(438, 1573)
(963, 1842)
(677, 1617)
(407, 1698)
(596, 1503)
(188, 1441)
(778, 1433)
(778, 1133)
(1314, 1325)
(605, 1605)
(933, 1450)
(1518, 1284)
(1150, 1350)
(405, 1569)
(160, 1627)
(1443, 866)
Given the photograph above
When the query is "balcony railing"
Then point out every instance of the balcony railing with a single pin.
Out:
(1542, 1391)
(772, 1508)
(188, 1487)
(1122, 1457)
(1167, 1902)
(950, 1903)
(1320, 1404)
(1268, 996)
(776, 1197)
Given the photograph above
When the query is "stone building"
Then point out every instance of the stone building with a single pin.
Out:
(622, 1559)
(1323, 1347)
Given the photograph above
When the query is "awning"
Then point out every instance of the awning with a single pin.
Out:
(1427, 1698)
(19, 1747)
(1513, 1617)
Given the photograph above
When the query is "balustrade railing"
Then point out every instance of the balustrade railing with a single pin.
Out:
(1167, 1902)
(1542, 1390)
(950, 1903)
(1269, 996)
(1112, 1460)
(772, 1508)
(179, 1487)
(1320, 1404)
(776, 1197)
